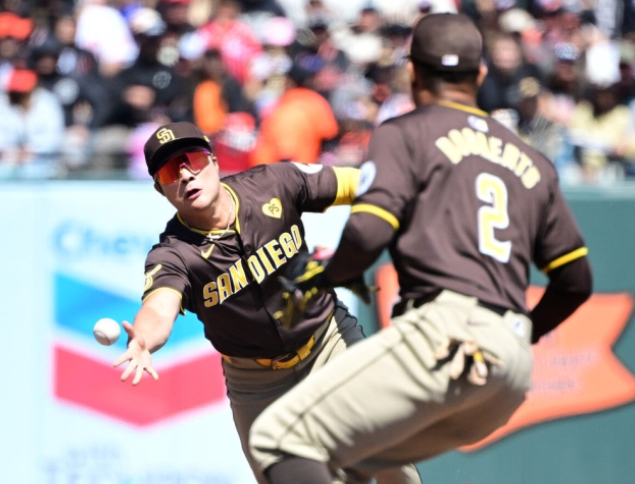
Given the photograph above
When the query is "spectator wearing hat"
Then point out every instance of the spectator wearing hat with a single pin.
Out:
(32, 127)
(603, 133)
(565, 84)
(180, 45)
(322, 56)
(537, 130)
(148, 84)
(298, 125)
(507, 66)
(14, 31)
(147, 91)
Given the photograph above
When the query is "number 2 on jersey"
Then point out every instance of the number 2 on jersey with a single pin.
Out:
(492, 190)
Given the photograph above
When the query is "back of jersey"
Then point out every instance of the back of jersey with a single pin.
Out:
(473, 205)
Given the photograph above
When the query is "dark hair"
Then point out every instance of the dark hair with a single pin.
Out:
(432, 79)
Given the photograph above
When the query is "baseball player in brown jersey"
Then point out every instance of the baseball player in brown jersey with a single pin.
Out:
(220, 257)
(464, 207)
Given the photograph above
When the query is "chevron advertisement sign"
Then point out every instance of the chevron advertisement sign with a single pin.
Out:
(78, 304)
(80, 257)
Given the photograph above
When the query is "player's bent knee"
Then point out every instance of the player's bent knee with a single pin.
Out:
(262, 445)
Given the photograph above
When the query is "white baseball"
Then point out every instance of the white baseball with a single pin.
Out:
(106, 331)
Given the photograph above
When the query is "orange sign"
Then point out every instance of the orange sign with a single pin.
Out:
(575, 370)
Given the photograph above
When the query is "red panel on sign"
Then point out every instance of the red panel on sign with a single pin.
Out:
(91, 383)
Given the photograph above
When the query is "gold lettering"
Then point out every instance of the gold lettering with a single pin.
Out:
(286, 241)
(459, 141)
(297, 238)
(510, 156)
(448, 149)
(256, 269)
(495, 145)
(239, 279)
(470, 138)
(531, 177)
(224, 287)
(210, 295)
(275, 253)
(525, 162)
(481, 147)
(265, 260)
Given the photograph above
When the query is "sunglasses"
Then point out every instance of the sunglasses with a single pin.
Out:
(170, 172)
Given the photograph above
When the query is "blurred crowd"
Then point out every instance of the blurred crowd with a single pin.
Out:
(84, 83)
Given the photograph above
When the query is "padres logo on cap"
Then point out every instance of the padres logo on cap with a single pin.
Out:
(164, 135)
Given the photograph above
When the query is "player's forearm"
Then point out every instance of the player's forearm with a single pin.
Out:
(569, 287)
(363, 240)
(154, 326)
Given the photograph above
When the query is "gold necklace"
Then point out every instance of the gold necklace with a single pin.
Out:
(229, 220)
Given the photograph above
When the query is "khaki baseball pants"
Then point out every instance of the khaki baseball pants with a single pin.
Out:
(252, 387)
(388, 400)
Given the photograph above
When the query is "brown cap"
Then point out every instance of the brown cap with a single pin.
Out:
(171, 139)
(447, 42)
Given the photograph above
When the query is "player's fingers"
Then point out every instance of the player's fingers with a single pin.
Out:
(122, 359)
(129, 328)
(153, 373)
(127, 372)
(138, 375)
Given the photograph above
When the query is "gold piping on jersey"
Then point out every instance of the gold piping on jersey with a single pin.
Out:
(457, 145)
(181, 310)
(565, 259)
(347, 183)
(276, 253)
(379, 212)
(149, 280)
(205, 232)
(463, 107)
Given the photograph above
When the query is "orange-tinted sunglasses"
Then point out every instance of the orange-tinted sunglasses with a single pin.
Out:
(194, 161)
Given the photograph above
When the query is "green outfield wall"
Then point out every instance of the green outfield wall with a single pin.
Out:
(597, 447)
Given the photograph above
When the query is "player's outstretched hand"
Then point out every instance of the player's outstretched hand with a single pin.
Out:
(137, 354)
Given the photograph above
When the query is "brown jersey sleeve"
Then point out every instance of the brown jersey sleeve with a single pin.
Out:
(165, 269)
(559, 240)
(389, 181)
(317, 187)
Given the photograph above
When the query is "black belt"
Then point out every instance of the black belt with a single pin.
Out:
(417, 302)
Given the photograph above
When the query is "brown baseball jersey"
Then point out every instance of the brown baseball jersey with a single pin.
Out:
(471, 204)
(229, 278)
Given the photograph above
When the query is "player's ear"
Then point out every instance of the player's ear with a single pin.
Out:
(482, 72)
(214, 159)
(411, 72)
(158, 188)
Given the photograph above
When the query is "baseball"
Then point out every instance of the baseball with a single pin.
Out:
(106, 331)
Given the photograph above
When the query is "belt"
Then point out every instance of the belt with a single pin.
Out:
(402, 306)
(289, 360)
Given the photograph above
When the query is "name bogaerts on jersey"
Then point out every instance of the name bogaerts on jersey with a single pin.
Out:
(457, 145)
